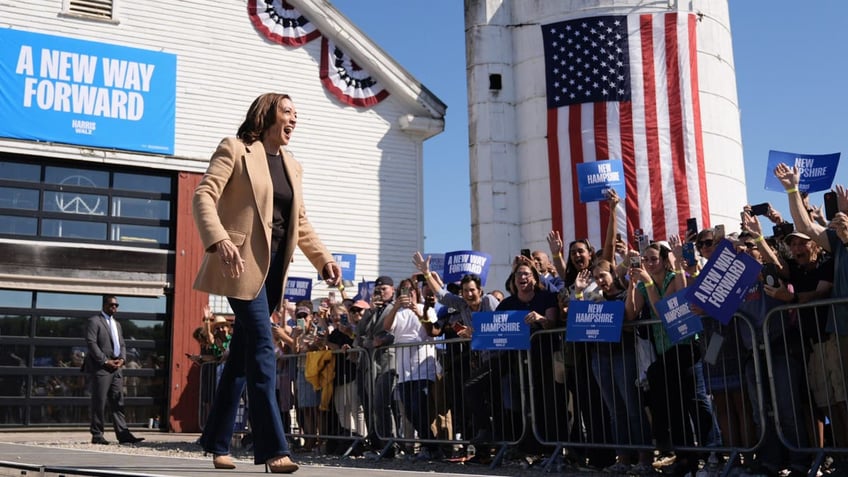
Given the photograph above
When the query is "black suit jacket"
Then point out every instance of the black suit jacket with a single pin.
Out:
(98, 337)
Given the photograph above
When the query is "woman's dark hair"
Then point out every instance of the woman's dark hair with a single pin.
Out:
(609, 267)
(570, 270)
(663, 254)
(260, 117)
(515, 266)
(408, 283)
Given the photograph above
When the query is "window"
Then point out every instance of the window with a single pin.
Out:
(85, 204)
(42, 346)
(102, 9)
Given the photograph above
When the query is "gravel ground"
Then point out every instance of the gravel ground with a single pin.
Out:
(183, 445)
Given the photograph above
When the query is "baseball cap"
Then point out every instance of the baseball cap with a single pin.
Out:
(302, 309)
(361, 304)
(796, 234)
(384, 280)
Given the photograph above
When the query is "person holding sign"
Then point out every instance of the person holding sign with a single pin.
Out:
(531, 295)
(614, 368)
(249, 213)
(457, 324)
(677, 371)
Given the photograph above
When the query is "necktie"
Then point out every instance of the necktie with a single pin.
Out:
(116, 343)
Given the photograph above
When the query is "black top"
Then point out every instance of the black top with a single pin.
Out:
(283, 196)
(813, 320)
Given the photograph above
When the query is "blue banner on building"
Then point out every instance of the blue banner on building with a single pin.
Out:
(594, 179)
(817, 170)
(64, 90)
(500, 330)
(595, 321)
(297, 289)
(680, 323)
(723, 283)
(464, 262)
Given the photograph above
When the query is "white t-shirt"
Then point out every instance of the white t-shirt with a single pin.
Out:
(416, 362)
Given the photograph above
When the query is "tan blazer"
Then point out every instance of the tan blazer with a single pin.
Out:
(234, 200)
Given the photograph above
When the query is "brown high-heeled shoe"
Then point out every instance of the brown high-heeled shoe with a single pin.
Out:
(280, 464)
(223, 462)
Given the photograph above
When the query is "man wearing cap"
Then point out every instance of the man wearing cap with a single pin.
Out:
(371, 336)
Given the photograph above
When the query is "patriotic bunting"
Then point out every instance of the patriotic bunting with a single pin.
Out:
(346, 80)
(281, 23)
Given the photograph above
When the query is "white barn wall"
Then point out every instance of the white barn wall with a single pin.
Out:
(363, 175)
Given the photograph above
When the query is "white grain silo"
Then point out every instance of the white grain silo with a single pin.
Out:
(509, 123)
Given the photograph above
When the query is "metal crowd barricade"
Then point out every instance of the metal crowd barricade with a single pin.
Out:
(207, 391)
(594, 396)
(208, 387)
(476, 397)
(310, 416)
(806, 364)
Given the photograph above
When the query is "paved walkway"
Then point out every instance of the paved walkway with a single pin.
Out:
(40, 449)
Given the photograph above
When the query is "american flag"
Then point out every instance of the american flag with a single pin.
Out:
(626, 87)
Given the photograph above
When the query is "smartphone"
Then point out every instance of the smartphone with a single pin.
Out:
(420, 278)
(525, 252)
(770, 277)
(718, 236)
(643, 242)
(635, 262)
(458, 326)
(404, 291)
(831, 206)
(760, 209)
(343, 319)
(301, 323)
(689, 253)
(691, 227)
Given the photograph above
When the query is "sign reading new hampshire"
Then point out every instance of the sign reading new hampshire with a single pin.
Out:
(594, 179)
(60, 89)
(500, 330)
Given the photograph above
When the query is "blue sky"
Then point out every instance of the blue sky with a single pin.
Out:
(791, 72)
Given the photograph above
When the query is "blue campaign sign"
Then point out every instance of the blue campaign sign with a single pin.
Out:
(364, 291)
(817, 170)
(680, 323)
(464, 262)
(500, 330)
(595, 178)
(437, 262)
(723, 283)
(595, 321)
(298, 288)
(347, 262)
(60, 89)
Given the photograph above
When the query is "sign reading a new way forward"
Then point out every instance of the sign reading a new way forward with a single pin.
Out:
(59, 89)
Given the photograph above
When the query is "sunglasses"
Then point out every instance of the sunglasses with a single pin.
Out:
(704, 243)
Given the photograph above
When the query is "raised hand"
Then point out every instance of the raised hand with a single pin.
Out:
(789, 177)
(555, 242)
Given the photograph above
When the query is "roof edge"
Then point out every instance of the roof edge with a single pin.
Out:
(332, 23)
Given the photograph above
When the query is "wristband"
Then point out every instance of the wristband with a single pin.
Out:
(648, 284)
(794, 189)
(579, 296)
(759, 239)
(560, 256)
(341, 286)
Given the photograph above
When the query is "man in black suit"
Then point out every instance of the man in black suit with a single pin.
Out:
(104, 361)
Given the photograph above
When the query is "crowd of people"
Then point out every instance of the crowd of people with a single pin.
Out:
(395, 369)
